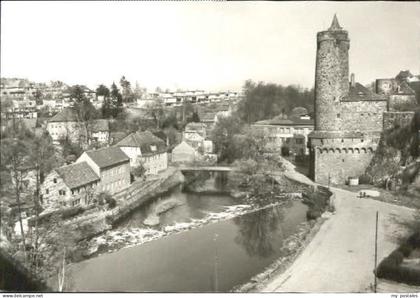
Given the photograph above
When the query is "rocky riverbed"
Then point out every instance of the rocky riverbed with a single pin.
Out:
(114, 240)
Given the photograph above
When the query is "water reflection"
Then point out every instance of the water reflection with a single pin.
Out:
(193, 261)
(191, 205)
(257, 230)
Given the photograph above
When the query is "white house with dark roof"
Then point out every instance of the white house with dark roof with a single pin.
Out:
(71, 185)
(147, 149)
(184, 153)
(281, 131)
(112, 166)
(99, 131)
(64, 125)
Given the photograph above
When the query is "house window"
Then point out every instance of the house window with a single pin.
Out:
(55, 180)
(47, 191)
(338, 115)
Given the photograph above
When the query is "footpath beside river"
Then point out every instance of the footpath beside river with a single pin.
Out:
(340, 258)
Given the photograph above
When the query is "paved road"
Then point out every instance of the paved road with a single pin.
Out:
(340, 258)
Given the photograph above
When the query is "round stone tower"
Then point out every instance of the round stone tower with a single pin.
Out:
(331, 76)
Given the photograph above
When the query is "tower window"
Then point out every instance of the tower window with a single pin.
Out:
(338, 115)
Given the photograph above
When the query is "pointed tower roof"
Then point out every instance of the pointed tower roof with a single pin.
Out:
(335, 25)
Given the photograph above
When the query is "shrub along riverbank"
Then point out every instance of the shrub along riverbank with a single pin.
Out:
(63, 236)
(319, 203)
(397, 266)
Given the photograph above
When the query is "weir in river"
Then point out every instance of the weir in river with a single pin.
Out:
(215, 257)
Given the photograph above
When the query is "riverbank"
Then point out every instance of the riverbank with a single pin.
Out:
(292, 247)
(95, 221)
(340, 256)
(295, 244)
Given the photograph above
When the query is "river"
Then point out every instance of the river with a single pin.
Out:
(212, 258)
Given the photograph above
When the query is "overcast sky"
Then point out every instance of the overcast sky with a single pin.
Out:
(207, 45)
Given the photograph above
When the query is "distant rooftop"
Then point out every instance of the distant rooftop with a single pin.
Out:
(66, 115)
(358, 92)
(291, 121)
(107, 157)
(100, 125)
(146, 141)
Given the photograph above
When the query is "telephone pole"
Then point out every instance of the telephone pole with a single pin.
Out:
(376, 250)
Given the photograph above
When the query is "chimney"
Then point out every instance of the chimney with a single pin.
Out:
(352, 82)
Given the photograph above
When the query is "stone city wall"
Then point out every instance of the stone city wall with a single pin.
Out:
(397, 119)
(400, 101)
(361, 115)
(341, 158)
(337, 166)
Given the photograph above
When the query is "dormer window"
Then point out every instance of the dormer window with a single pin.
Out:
(153, 148)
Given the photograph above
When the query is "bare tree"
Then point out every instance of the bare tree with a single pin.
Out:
(13, 158)
(157, 111)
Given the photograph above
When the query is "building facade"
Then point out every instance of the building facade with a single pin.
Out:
(282, 131)
(20, 109)
(111, 165)
(146, 149)
(69, 186)
(399, 92)
(66, 125)
(184, 153)
(99, 131)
